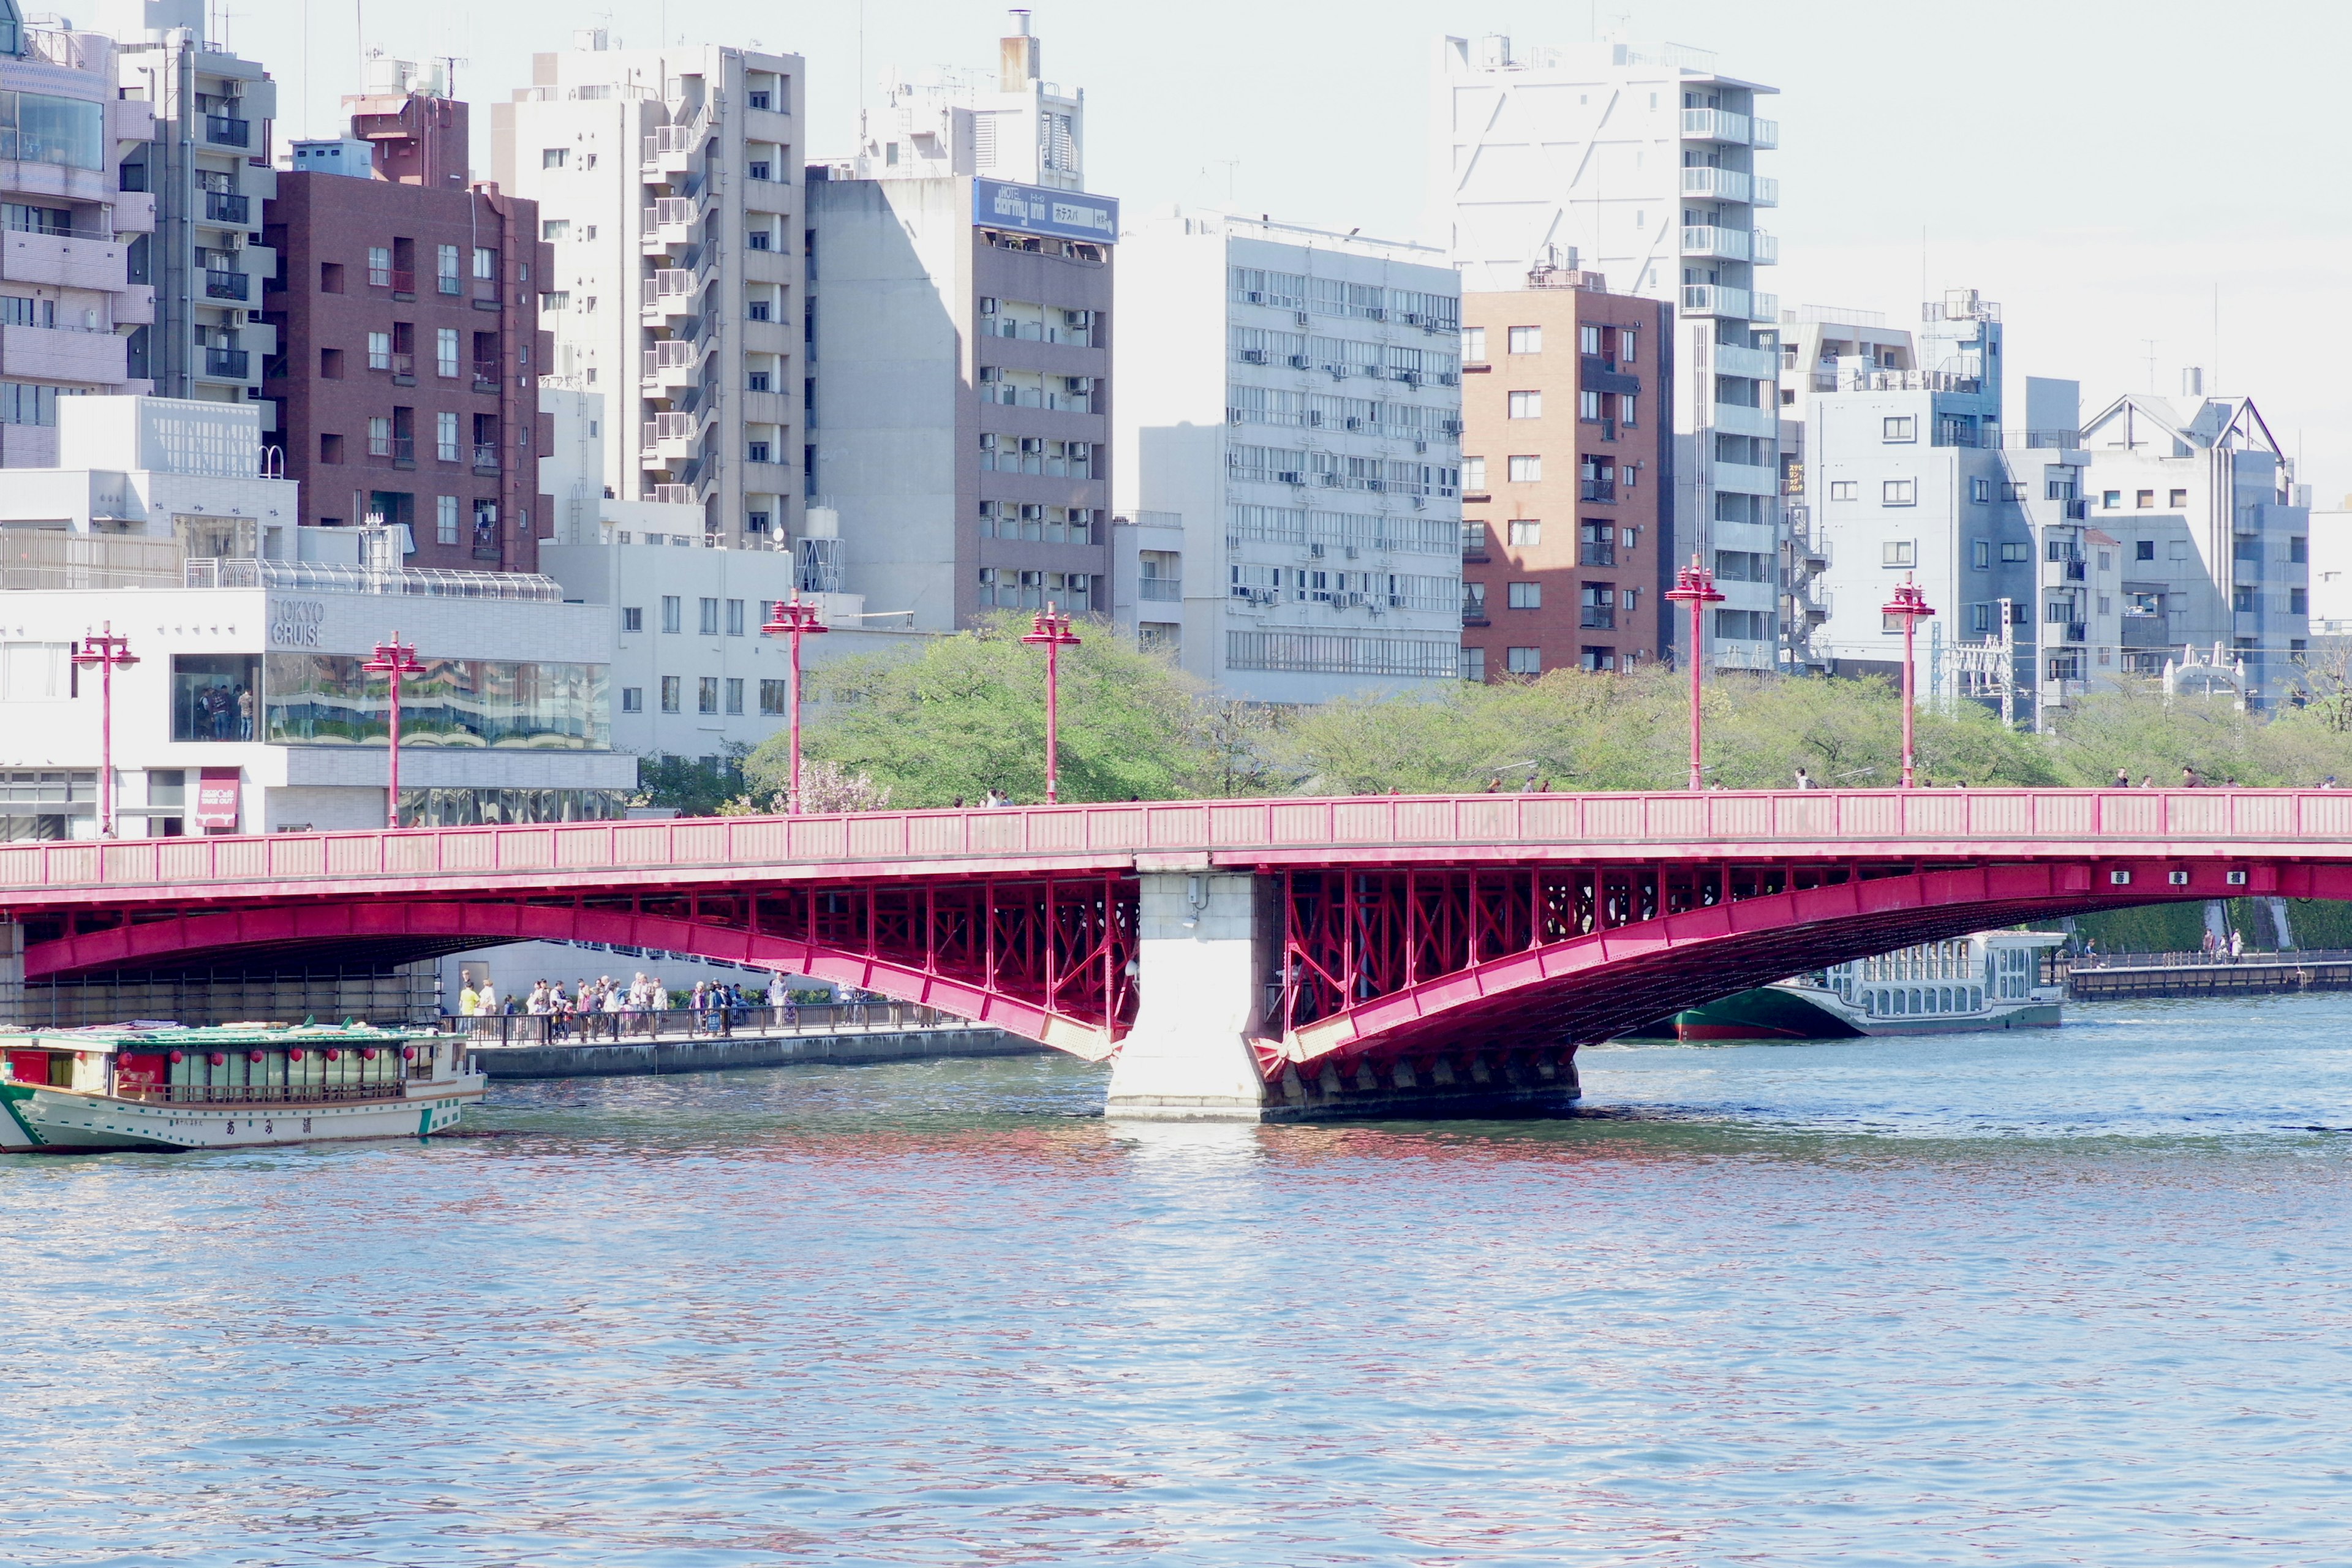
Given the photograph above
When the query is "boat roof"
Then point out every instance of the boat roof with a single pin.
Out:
(145, 1034)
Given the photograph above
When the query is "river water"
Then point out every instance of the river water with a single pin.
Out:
(2040, 1298)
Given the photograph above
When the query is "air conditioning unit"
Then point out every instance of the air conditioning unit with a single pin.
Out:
(1291, 476)
(1410, 377)
(1302, 318)
(1376, 314)
(1420, 446)
(1299, 362)
(1448, 378)
(1315, 417)
(1451, 426)
(1413, 317)
(1252, 356)
(1331, 481)
(1353, 552)
(1376, 484)
(1256, 298)
(1355, 423)
(1315, 553)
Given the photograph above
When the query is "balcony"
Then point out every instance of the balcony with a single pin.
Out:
(1730, 243)
(2058, 573)
(670, 292)
(222, 131)
(486, 457)
(1719, 184)
(1161, 590)
(228, 207)
(232, 364)
(400, 449)
(227, 285)
(1597, 489)
(400, 280)
(1768, 191)
(486, 376)
(1715, 299)
(1764, 307)
(1716, 125)
(1756, 364)
(1765, 250)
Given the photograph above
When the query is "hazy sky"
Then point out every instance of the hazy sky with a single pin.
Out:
(2101, 169)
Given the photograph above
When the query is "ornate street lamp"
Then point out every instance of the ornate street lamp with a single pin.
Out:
(393, 660)
(1694, 586)
(1912, 605)
(108, 652)
(1052, 633)
(794, 620)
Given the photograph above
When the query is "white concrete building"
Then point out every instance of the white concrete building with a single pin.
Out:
(207, 172)
(1294, 410)
(668, 183)
(2214, 529)
(1011, 125)
(2331, 573)
(1639, 163)
(247, 711)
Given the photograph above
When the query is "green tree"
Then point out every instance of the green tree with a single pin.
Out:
(691, 786)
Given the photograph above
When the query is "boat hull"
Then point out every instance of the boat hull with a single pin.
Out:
(38, 1120)
(1787, 1013)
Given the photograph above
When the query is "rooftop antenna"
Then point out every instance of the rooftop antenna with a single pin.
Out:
(2151, 343)
(449, 64)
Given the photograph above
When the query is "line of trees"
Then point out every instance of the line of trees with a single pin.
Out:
(964, 714)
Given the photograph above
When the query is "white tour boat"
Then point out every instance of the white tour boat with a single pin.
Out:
(1992, 979)
(231, 1086)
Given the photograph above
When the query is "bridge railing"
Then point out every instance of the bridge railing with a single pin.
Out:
(2193, 958)
(1076, 836)
(675, 1024)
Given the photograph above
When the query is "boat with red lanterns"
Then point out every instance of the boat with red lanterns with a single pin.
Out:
(227, 1086)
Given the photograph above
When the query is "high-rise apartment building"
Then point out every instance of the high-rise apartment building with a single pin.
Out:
(406, 306)
(1568, 478)
(668, 184)
(66, 290)
(1293, 412)
(208, 169)
(1641, 161)
(960, 292)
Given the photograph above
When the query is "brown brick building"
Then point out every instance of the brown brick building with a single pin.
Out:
(409, 355)
(1567, 481)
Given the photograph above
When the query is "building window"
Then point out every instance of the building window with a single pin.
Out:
(2013, 554)
(1526, 595)
(2240, 599)
(379, 351)
(632, 700)
(1474, 475)
(1526, 469)
(445, 519)
(445, 437)
(1597, 606)
(379, 266)
(1598, 660)
(553, 157)
(445, 353)
(735, 621)
(445, 269)
(379, 437)
(1979, 491)
(774, 696)
(670, 685)
(1526, 405)
(673, 613)
(331, 447)
(2144, 550)
(632, 618)
(1843, 489)
(1525, 531)
(1588, 406)
(1900, 427)
(734, 695)
(705, 694)
(1980, 555)
(1589, 339)
(1523, 660)
(1979, 617)
(2298, 601)
(485, 265)
(2144, 499)
(2298, 551)
(1472, 664)
(1899, 492)
(2179, 499)
(1473, 345)
(708, 622)
(2111, 499)
(1527, 340)
(1898, 552)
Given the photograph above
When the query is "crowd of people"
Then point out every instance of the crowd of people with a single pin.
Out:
(604, 1008)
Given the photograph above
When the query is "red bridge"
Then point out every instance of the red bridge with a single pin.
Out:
(1279, 957)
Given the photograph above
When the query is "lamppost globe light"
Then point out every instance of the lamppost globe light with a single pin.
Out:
(1051, 630)
(110, 653)
(395, 660)
(795, 620)
(1912, 605)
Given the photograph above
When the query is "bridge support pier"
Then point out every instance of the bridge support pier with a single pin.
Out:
(12, 976)
(1204, 942)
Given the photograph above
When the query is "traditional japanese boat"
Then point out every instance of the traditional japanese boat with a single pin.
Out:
(230, 1085)
(1992, 979)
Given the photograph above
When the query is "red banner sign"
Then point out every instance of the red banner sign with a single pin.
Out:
(216, 798)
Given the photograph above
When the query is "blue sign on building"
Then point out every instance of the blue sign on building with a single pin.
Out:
(1030, 209)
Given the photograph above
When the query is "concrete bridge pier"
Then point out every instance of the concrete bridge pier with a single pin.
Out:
(1205, 945)
(1210, 946)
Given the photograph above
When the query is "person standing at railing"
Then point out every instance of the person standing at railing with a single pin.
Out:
(698, 1004)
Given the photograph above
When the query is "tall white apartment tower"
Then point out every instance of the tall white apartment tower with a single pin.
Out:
(1640, 161)
(669, 182)
(1014, 126)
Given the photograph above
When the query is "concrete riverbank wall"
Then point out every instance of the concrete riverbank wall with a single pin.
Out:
(662, 1056)
(2269, 975)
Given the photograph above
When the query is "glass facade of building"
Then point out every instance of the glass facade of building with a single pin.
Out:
(473, 808)
(326, 699)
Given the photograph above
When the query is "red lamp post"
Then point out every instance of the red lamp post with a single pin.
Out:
(1912, 605)
(1694, 586)
(793, 620)
(393, 660)
(1052, 632)
(108, 652)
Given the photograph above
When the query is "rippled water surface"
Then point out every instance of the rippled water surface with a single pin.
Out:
(2039, 1298)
